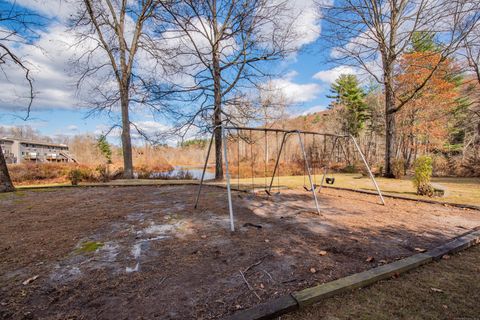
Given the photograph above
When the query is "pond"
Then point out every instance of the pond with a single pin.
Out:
(187, 173)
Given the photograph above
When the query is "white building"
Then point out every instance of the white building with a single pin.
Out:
(18, 151)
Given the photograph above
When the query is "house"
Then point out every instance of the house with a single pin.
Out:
(19, 151)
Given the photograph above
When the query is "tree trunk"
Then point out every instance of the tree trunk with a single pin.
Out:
(217, 97)
(217, 122)
(6, 184)
(389, 129)
(126, 139)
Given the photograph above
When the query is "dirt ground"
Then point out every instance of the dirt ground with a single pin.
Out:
(144, 252)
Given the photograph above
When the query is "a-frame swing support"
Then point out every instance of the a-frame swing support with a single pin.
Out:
(286, 133)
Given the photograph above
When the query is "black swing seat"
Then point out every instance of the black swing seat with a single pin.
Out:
(307, 189)
(330, 180)
(270, 193)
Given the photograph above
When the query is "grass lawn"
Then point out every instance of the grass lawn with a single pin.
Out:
(448, 289)
(458, 190)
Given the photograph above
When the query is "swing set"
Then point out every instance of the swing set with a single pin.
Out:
(310, 159)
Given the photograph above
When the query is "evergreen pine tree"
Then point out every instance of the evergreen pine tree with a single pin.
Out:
(349, 99)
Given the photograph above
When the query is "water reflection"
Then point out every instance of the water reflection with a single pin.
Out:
(184, 173)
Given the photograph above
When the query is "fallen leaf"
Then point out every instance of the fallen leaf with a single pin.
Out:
(420, 249)
(446, 257)
(323, 253)
(436, 290)
(370, 259)
(238, 306)
(203, 236)
(262, 286)
(445, 306)
(30, 280)
(383, 261)
(313, 270)
(267, 241)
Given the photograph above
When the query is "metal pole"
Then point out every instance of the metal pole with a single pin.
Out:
(325, 172)
(227, 176)
(283, 130)
(309, 174)
(278, 160)
(368, 169)
(204, 169)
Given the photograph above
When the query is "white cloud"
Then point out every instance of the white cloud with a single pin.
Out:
(329, 76)
(47, 60)
(307, 21)
(61, 9)
(292, 92)
(72, 127)
(151, 127)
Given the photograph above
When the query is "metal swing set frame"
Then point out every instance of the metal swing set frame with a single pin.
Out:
(286, 134)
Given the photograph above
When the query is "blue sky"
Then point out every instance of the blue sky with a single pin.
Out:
(306, 78)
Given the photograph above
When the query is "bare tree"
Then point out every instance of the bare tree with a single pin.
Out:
(13, 22)
(472, 125)
(117, 56)
(373, 35)
(224, 48)
(472, 52)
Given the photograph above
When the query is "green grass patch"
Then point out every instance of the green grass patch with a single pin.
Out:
(89, 246)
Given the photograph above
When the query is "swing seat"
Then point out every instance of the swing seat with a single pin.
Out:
(309, 190)
(330, 180)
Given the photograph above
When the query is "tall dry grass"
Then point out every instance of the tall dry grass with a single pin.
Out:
(41, 173)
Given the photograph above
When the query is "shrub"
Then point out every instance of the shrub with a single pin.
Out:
(470, 166)
(349, 168)
(170, 175)
(37, 171)
(103, 174)
(41, 173)
(375, 168)
(398, 168)
(75, 176)
(80, 174)
(423, 174)
(335, 166)
(143, 172)
(440, 166)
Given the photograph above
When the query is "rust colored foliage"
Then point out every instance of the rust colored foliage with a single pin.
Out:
(425, 119)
